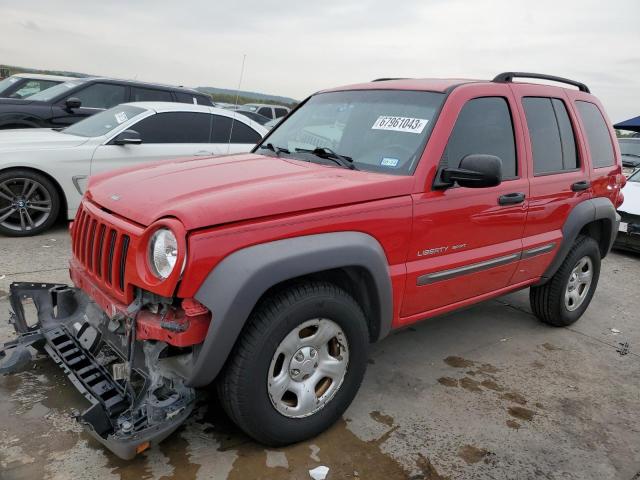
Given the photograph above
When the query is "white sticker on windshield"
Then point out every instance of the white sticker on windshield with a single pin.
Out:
(13, 80)
(121, 117)
(389, 162)
(400, 124)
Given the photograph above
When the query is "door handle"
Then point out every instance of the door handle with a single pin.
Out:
(581, 185)
(511, 198)
(203, 153)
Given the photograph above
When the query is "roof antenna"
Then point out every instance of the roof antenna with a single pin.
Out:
(244, 57)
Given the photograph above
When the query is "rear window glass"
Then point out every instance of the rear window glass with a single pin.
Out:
(598, 137)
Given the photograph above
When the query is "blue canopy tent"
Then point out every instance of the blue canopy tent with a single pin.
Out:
(632, 124)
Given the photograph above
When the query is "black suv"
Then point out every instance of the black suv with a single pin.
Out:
(72, 101)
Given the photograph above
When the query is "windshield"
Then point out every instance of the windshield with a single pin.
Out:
(102, 123)
(630, 147)
(53, 92)
(380, 130)
(7, 83)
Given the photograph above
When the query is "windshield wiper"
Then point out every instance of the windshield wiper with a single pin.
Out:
(327, 153)
(273, 148)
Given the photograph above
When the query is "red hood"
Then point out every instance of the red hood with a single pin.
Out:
(206, 192)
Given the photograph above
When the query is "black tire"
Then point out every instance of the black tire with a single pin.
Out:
(45, 192)
(548, 300)
(242, 386)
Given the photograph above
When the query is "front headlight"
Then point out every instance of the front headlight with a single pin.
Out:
(163, 253)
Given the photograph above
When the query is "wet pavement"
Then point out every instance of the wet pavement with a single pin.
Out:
(484, 393)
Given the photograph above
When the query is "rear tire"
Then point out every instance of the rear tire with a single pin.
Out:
(565, 297)
(273, 358)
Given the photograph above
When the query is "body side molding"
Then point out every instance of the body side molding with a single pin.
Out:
(234, 286)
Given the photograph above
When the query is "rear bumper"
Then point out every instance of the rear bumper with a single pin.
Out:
(136, 397)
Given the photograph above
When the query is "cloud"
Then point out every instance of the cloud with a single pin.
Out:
(294, 48)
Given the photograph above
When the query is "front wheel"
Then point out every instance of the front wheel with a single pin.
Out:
(297, 365)
(29, 203)
(565, 297)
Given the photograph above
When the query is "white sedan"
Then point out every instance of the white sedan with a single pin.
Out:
(43, 172)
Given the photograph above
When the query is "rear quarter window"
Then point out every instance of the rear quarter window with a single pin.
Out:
(598, 138)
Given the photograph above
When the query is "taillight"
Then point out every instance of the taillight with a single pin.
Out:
(620, 199)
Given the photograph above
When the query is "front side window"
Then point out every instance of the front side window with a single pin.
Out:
(281, 112)
(101, 95)
(597, 135)
(104, 122)
(32, 87)
(175, 127)
(552, 140)
(139, 94)
(266, 111)
(380, 130)
(483, 126)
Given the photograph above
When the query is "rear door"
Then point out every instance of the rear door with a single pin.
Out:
(164, 135)
(558, 169)
(466, 242)
(231, 135)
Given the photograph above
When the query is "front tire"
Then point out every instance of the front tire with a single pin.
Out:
(297, 365)
(565, 297)
(29, 203)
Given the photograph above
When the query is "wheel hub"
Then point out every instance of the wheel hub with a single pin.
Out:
(303, 364)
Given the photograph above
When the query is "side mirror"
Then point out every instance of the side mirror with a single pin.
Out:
(72, 103)
(128, 137)
(475, 171)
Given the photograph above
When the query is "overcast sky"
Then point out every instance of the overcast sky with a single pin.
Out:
(297, 47)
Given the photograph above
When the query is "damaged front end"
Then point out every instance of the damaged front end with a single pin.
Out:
(126, 366)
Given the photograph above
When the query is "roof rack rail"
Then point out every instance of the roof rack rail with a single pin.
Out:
(384, 79)
(507, 77)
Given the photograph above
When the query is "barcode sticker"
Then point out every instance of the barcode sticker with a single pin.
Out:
(400, 124)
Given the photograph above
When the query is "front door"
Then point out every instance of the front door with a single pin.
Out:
(466, 242)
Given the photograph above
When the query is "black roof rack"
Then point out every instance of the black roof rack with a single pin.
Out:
(386, 79)
(508, 77)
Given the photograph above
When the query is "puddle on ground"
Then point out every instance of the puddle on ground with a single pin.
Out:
(492, 385)
(550, 347)
(521, 413)
(458, 362)
(470, 384)
(448, 381)
(513, 424)
(382, 418)
(471, 454)
(514, 397)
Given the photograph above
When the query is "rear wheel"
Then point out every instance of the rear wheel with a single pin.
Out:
(297, 365)
(29, 203)
(565, 297)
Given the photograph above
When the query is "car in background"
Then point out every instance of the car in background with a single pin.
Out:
(272, 123)
(72, 101)
(269, 111)
(43, 172)
(23, 85)
(630, 150)
(256, 117)
(628, 237)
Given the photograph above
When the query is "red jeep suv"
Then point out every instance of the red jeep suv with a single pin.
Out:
(369, 208)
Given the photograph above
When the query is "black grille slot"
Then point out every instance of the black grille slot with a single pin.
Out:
(101, 234)
(123, 260)
(92, 235)
(112, 248)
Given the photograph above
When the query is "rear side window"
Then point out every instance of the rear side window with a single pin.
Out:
(483, 127)
(225, 132)
(602, 154)
(281, 112)
(175, 127)
(551, 134)
(150, 95)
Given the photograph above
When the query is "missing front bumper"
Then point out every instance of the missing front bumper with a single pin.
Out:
(137, 394)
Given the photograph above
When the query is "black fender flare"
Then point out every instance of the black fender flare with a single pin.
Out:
(581, 215)
(235, 285)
